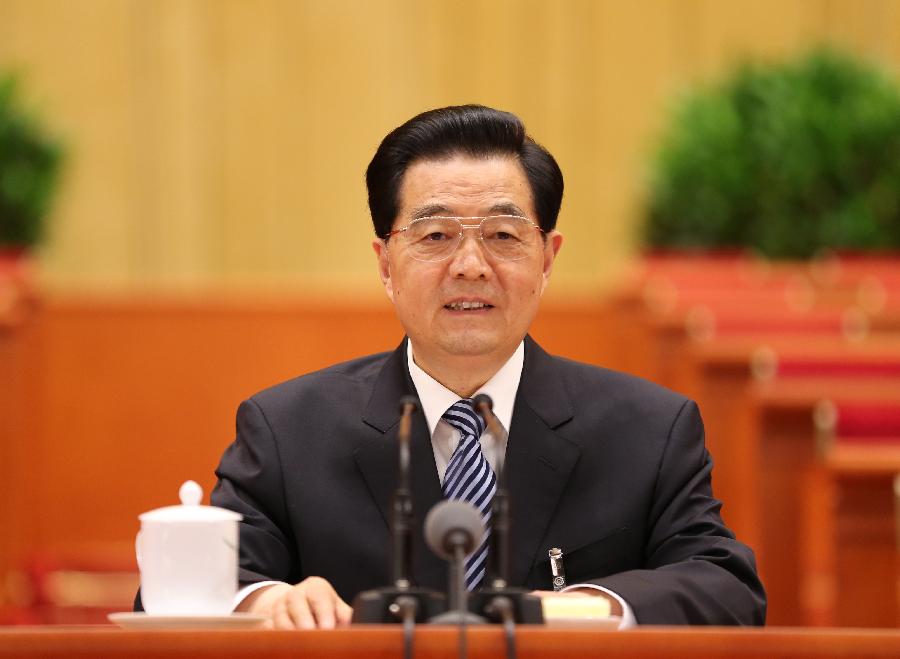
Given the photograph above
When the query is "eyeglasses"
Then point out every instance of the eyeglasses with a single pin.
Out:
(432, 239)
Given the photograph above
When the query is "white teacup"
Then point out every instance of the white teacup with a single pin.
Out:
(188, 557)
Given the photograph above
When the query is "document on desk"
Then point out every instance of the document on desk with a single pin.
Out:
(592, 611)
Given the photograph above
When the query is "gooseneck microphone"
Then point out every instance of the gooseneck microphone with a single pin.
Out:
(497, 573)
(497, 600)
(401, 526)
(401, 601)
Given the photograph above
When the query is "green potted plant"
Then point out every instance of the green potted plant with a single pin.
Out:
(788, 160)
(29, 174)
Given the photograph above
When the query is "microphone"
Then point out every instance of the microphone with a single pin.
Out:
(453, 526)
(497, 600)
(402, 504)
(497, 573)
(400, 602)
(453, 530)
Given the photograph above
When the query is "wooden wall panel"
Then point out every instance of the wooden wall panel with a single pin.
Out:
(18, 419)
(135, 395)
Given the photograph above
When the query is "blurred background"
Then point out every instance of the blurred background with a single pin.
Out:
(202, 232)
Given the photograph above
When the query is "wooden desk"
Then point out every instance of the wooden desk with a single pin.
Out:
(671, 643)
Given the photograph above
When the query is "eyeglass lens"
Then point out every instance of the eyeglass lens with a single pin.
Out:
(436, 238)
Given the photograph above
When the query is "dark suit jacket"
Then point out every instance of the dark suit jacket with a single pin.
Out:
(609, 467)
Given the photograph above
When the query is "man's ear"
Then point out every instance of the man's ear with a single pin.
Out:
(384, 267)
(551, 248)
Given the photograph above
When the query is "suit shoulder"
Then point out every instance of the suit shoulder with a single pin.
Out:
(338, 379)
(611, 408)
(587, 381)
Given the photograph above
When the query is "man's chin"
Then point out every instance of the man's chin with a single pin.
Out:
(470, 344)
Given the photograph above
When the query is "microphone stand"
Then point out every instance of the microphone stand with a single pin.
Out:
(400, 602)
(498, 601)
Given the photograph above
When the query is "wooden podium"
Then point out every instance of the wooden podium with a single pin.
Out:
(431, 643)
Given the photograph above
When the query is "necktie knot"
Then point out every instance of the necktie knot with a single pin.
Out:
(462, 416)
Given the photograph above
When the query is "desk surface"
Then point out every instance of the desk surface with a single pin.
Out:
(366, 641)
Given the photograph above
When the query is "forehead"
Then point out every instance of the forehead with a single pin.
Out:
(465, 185)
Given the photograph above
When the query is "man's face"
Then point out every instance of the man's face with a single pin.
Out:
(427, 296)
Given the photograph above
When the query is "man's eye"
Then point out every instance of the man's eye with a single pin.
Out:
(435, 236)
(504, 236)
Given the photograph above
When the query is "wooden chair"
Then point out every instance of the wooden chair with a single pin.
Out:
(722, 375)
(782, 445)
(659, 293)
(850, 527)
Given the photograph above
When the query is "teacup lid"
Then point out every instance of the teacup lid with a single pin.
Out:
(190, 509)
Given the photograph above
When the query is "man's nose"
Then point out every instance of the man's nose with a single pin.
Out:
(469, 261)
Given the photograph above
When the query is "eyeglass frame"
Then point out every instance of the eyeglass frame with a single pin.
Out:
(463, 226)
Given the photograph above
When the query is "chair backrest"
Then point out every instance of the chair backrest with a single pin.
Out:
(864, 422)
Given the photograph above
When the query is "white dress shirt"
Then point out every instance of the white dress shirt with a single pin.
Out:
(435, 399)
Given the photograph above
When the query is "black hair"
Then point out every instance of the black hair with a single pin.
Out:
(473, 130)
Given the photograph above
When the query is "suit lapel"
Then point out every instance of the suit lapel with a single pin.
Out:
(377, 461)
(539, 461)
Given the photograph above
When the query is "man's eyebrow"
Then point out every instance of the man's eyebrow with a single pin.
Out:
(506, 208)
(429, 210)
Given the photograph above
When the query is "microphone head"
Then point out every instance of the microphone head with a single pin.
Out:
(411, 401)
(482, 400)
(453, 523)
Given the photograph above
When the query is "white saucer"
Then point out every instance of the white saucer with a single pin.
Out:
(130, 620)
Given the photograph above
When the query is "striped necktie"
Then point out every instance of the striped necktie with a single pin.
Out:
(470, 478)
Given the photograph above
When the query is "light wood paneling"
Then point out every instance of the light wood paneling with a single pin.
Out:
(225, 140)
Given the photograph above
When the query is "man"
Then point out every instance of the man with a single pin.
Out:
(608, 467)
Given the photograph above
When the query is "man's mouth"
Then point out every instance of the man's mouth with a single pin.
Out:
(468, 306)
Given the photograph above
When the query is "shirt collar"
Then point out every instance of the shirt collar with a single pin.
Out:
(435, 398)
